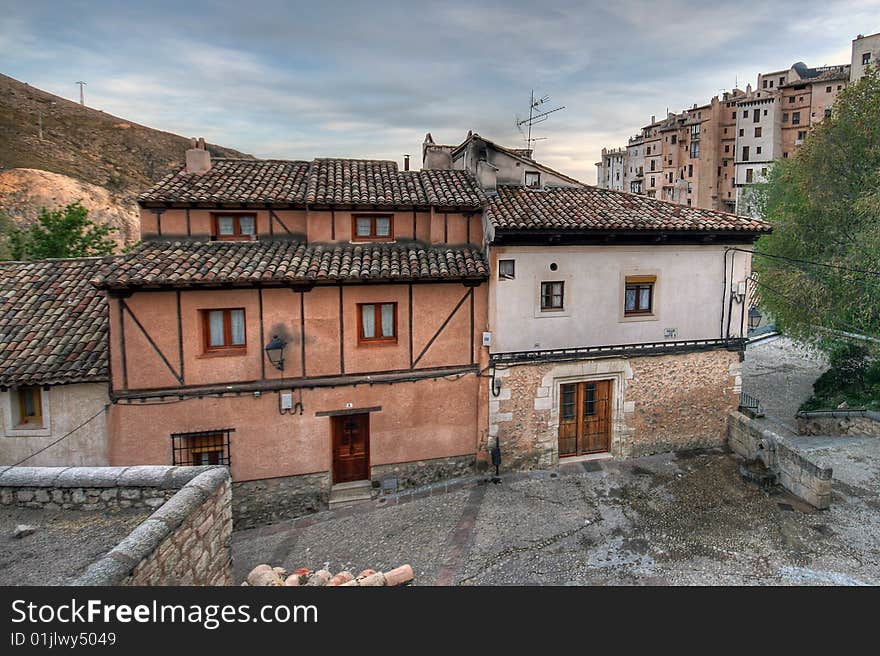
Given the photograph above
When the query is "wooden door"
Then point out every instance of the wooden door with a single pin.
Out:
(351, 448)
(585, 418)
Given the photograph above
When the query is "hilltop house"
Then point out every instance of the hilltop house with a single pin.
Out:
(314, 325)
(53, 364)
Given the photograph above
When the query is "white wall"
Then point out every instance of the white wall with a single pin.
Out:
(688, 295)
(64, 408)
(868, 44)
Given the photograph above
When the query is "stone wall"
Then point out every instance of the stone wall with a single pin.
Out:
(268, 500)
(751, 439)
(659, 403)
(424, 472)
(185, 541)
(839, 422)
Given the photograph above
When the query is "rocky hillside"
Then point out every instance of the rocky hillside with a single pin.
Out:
(54, 151)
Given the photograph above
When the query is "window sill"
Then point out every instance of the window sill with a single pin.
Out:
(627, 318)
(222, 354)
(373, 240)
(377, 342)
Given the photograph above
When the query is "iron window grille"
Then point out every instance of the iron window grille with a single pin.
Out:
(209, 447)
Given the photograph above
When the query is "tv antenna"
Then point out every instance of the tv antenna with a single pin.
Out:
(82, 100)
(537, 114)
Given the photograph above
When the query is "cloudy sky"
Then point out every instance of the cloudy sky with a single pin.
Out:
(296, 79)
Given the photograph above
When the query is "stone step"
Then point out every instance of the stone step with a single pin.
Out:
(349, 493)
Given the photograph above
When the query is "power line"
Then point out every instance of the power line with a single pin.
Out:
(65, 436)
(799, 261)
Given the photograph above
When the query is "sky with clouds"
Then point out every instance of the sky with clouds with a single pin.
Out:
(294, 79)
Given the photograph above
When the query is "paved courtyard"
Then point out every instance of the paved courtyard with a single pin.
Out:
(664, 519)
(677, 519)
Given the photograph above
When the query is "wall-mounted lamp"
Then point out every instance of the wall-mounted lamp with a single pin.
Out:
(275, 352)
(496, 384)
(755, 317)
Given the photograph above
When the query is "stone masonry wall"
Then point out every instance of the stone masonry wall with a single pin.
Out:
(659, 403)
(839, 422)
(751, 439)
(268, 500)
(185, 541)
(424, 472)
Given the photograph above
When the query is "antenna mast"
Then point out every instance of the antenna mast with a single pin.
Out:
(536, 115)
(82, 100)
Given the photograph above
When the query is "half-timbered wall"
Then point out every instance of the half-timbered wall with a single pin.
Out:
(157, 337)
(316, 225)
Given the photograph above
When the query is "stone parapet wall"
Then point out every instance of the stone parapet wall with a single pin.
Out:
(185, 541)
(659, 403)
(752, 440)
(269, 500)
(839, 422)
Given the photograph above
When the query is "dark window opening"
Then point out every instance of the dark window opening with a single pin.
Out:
(506, 269)
(224, 330)
(201, 448)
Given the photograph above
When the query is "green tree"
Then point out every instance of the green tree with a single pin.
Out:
(64, 232)
(824, 205)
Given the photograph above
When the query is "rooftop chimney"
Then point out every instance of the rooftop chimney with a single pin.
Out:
(198, 159)
(406, 162)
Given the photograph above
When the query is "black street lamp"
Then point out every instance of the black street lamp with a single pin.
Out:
(275, 352)
(755, 317)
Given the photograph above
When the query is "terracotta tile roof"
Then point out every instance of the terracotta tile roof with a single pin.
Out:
(320, 182)
(235, 180)
(204, 264)
(53, 323)
(591, 208)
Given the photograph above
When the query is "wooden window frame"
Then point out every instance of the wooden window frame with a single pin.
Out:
(553, 308)
(372, 236)
(639, 283)
(23, 420)
(237, 233)
(228, 348)
(377, 322)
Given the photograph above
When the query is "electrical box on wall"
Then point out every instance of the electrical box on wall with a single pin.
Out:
(487, 339)
(286, 400)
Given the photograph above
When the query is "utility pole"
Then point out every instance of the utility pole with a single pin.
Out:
(82, 100)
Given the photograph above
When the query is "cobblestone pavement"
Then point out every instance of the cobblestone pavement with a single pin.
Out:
(780, 373)
(676, 519)
(664, 519)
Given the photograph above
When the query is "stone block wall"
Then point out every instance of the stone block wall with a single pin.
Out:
(839, 422)
(185, 541)
(659, 403)
(268, 500)
(751, 439)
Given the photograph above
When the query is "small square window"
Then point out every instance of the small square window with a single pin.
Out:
(372, 228)
(758, 150)
(639, 295)
(377, 323)
(506, 269)
(27, 406)
(866, 58)
(533, 179)
(235, 227)
(552, 296)
(758, 132)
(202, 448)
(224, 331)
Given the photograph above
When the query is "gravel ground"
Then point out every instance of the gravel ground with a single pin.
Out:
(665, 519)
(65, 544)
(780, 373)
